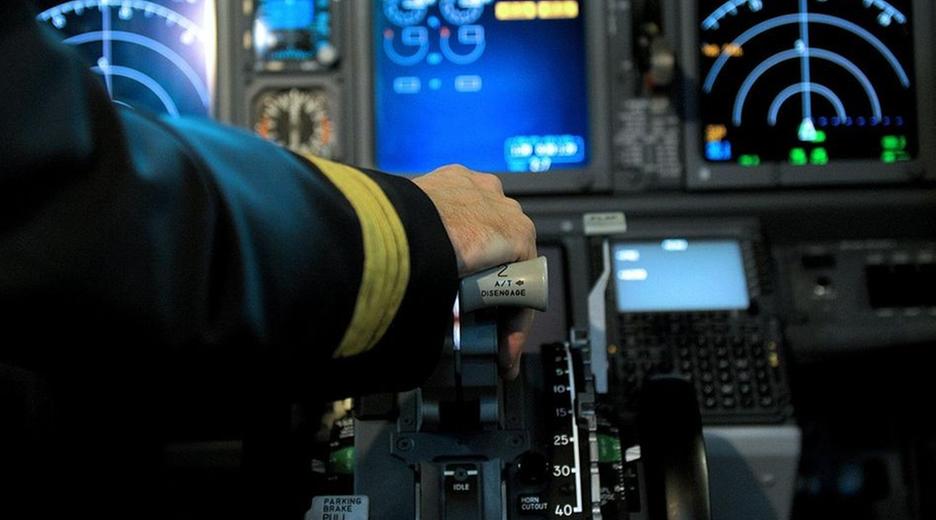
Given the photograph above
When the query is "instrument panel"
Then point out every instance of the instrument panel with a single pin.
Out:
(556, 96)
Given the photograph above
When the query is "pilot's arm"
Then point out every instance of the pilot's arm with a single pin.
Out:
(165, 252)
(159, 278)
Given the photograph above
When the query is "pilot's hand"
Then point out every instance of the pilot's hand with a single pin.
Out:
(487, 229)
(514, 328)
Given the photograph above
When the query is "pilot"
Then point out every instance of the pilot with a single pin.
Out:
(159, 277)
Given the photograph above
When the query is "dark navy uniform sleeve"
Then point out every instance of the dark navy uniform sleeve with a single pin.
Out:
(173, 279)
(190, 255)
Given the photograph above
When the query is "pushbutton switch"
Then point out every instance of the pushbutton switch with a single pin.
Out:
(533, 467)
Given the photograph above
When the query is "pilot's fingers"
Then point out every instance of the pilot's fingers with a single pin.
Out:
(514, 330)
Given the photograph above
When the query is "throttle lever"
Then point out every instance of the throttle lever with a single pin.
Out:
(466, 385)
(521, 284)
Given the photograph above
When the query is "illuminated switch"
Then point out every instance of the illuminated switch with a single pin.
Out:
(461, 490)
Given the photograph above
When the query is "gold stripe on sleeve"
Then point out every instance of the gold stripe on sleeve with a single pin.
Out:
(386, 257)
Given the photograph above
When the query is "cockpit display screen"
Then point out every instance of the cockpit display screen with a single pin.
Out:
(293, 31)
(497, 85)
(679, 275)
(807, 82)
(154, 55)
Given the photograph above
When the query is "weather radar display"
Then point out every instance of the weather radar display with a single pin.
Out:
(807, 82)
(156, 56)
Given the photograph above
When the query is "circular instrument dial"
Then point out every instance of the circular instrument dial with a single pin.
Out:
(403, 15)
(455, 14)
(296, 118)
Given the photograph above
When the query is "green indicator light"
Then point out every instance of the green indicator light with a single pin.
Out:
(798, 157)
(890, 142)
(895, 148)
(609, 449)
(342, 461)
(819, 156)
(820, 136)
(749, 160)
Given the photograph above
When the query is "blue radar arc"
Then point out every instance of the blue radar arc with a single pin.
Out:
(793, 54)
(729, 7)
(165, 51)
(801, 88)
(151, 84)
(56, 14)
(888, 13)
(790, 19)
(81, 25)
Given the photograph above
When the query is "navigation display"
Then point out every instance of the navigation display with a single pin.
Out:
(499, 86)
(807, 82)
(151, 55)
